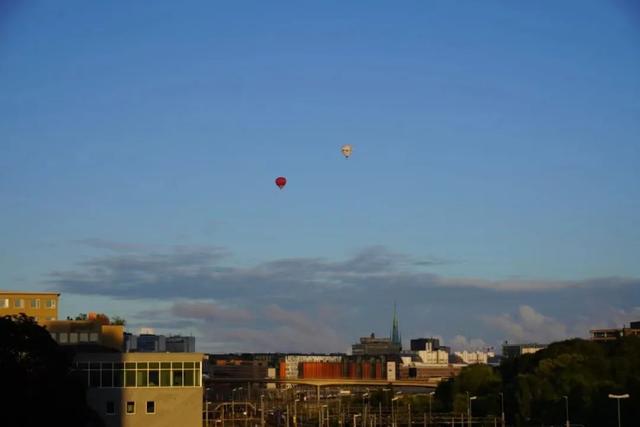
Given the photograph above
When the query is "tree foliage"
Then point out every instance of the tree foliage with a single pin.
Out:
(534, 384)
(38, 385)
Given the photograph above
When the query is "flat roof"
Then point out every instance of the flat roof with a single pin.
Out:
(4, 292)
(141, 357)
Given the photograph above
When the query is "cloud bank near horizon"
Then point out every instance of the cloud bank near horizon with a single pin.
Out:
(318, 304)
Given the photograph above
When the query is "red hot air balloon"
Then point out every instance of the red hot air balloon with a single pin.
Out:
(281, 181)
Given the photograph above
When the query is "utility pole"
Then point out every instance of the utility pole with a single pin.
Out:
(566, 400)
(502, 406)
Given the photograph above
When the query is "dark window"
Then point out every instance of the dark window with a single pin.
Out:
(107, 378)
(111, 408)
(165, 379)
(154, 378)
(177, 378)
(131, 407)
(151, 407)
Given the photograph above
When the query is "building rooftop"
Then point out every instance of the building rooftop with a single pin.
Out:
(7, 292)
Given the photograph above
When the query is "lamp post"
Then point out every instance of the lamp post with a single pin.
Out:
(469, 400)
(393, 413)
(354, 419)
(262, 410)
(233, 405)
(206, 413)
(618, 397)
(364, 408)
(295, 412)
(502, 407)
(566, 401)
(430, 399)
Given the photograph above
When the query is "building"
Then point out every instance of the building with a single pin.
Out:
(614, 334)
(396, 338)
(515, 350)
(433, 357)
(180, 344)
(372, 346)
(290, 364)
(39, 305)
(472, 357)
(149, 342)
(144, 389)
(95, 331)
(419, 344)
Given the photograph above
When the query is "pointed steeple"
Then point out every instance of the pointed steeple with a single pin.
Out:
(395, 330)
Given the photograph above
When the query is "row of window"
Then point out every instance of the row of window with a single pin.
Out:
(20, 303)
(130, 407)
(140, 374)
(74, 337)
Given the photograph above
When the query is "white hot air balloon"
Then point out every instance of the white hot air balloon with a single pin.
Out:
(347, 149)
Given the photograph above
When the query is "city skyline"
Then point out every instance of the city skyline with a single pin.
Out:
(493, 190)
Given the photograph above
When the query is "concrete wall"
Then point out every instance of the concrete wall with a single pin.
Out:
(173, 406)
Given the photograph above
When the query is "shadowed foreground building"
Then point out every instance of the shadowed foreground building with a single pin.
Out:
(144, 389)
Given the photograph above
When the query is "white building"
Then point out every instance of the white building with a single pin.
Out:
(434, 357)
(471, 357)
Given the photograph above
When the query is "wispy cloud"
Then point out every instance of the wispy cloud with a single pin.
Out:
(317, 304)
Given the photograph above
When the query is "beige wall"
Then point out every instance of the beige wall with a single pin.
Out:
(92, 330)
(175, 407)
(41, 312)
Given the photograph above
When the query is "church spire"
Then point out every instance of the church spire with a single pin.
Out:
(395, 330)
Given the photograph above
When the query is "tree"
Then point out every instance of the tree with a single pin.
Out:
(39, 387)
(117, 320)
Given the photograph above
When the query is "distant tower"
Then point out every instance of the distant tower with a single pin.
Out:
(395, 331)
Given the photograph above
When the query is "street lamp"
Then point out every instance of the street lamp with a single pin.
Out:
(502, 407)
(393, 413)
(469, 399)
(233, 404)
(364, 408)
(206, 414)
(430, 398)
(566, 401)
(618, 397)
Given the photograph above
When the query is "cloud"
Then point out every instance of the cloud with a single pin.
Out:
(193, 272)
(320, 304)
(529, 326)
(461, 343)
(111, 245)
(210, 312)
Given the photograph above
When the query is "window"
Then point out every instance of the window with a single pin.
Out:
(84, 337)
(18, 303)
(111, 408)
(151, 407)
(51, 303)
(4, 303)
(35, 303)
(131, 407)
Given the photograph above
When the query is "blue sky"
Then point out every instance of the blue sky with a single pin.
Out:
(494, 188)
